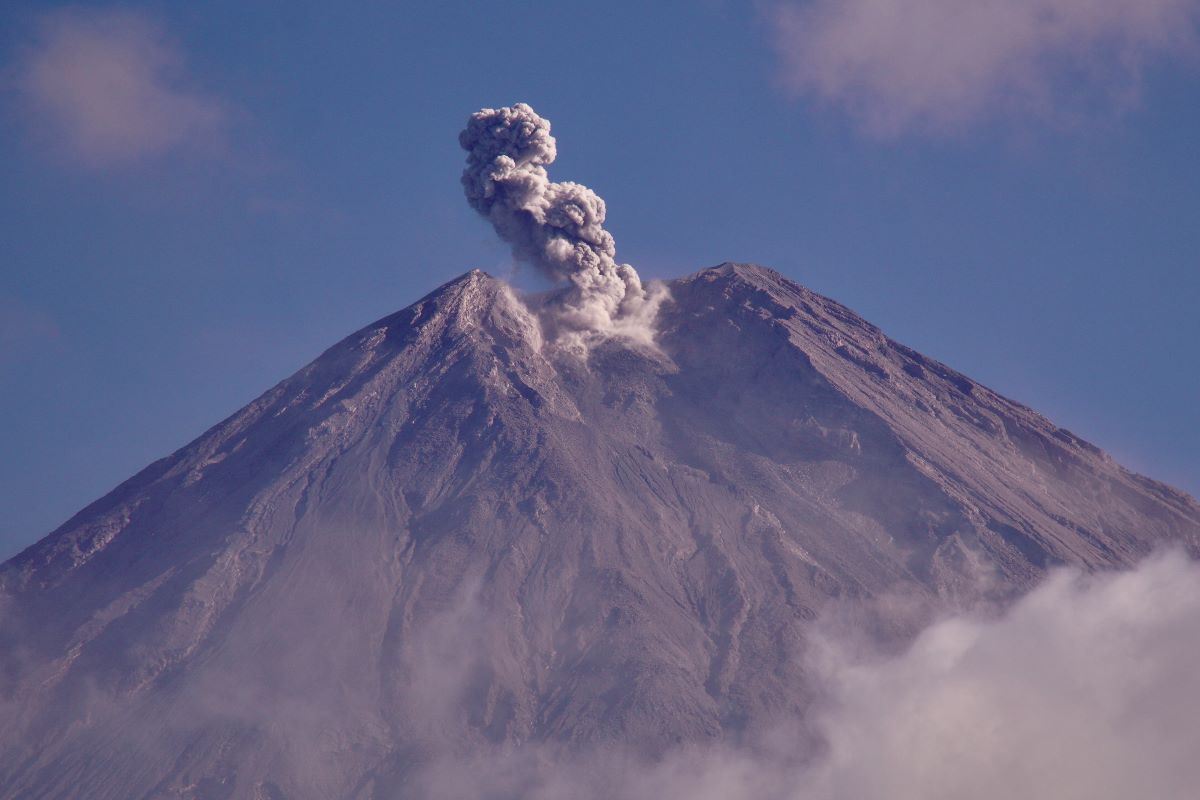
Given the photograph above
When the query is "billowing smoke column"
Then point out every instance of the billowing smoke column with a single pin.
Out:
(557, 227)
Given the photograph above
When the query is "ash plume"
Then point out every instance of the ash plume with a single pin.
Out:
(556, 227)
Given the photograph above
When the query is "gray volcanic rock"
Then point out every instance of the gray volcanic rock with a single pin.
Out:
(444, 537)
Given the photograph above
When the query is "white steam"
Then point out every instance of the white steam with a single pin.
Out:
(556, 227)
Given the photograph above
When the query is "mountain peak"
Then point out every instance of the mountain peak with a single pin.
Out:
(441, 535)
(754, 273)
(465, 300)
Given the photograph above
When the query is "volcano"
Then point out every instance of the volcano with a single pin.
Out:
(446, 537)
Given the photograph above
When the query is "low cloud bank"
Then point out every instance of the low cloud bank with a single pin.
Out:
(934, 65)
(558, 228)
(1086, 689)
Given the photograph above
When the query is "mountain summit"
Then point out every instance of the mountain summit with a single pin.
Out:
(445, 537)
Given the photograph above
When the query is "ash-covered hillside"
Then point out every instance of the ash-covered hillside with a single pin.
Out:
(447, 537)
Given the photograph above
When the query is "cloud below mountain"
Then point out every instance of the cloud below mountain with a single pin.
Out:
(941, 65)
(110, 88)
(1086, 688)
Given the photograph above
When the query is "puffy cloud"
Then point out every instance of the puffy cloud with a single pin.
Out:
(556, 227)
(110, 88)
(902, 65)
(1086, 688)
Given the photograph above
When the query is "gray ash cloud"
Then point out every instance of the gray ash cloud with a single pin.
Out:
(558, 228)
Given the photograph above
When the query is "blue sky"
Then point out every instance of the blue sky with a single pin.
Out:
(197, 199)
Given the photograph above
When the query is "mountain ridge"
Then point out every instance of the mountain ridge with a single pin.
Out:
(446, 535)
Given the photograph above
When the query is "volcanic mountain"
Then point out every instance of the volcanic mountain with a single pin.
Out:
(446, 536)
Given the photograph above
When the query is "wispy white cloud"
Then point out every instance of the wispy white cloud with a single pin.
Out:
(111, 88)
(898, 66)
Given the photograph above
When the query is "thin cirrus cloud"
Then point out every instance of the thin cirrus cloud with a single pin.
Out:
(110, 88)
(938, 66)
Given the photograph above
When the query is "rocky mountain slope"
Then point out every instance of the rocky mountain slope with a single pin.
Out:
(444, 536)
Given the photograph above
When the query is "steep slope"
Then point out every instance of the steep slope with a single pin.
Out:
(443, 536)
